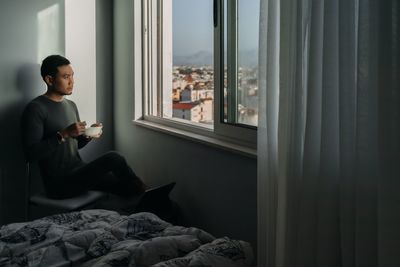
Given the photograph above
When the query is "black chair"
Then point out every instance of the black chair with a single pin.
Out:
(48, 206)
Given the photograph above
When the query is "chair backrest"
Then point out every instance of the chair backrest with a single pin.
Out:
(34, 184)
(34, 179)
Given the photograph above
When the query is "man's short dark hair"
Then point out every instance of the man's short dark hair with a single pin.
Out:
(51, 63)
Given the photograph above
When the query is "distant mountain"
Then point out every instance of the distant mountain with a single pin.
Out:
(247, 58)
(201, 58)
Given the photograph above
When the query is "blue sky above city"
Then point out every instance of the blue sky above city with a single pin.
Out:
(193, 26)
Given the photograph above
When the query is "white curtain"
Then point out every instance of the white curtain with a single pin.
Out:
(329, 133)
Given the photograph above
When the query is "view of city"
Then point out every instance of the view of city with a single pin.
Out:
(193, 69)
(193, 94)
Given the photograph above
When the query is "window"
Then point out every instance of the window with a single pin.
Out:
(241, 22)
(200, 65)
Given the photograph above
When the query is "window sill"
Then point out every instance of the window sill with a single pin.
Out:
(219, 143)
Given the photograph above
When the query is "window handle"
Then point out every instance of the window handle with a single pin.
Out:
(215, 15)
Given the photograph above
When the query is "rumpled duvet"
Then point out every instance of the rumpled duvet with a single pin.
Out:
(106, 238)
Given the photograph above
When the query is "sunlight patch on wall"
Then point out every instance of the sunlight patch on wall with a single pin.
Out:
(49, 32)
(80, 49)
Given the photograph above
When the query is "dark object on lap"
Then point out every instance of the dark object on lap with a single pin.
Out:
(156, 200)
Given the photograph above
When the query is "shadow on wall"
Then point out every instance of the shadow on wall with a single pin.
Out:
(28, 84)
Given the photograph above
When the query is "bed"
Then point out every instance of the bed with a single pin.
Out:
(105, 238)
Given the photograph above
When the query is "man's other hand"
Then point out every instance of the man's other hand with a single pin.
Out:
(74, 130)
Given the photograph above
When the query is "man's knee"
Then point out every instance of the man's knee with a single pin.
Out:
(115, 157)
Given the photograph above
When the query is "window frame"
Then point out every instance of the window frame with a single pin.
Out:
(148, 68)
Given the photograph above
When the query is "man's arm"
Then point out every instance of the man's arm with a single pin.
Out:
(35, 146)
(83, 141)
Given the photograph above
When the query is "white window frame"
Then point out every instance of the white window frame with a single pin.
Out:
(146, 84)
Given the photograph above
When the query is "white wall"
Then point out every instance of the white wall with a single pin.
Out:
(20, 81)
(80, 49)
(21, 38)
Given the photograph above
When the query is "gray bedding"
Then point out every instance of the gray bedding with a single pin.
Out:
(106, 238)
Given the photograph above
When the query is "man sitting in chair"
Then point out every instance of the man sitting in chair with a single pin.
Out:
(52, 134)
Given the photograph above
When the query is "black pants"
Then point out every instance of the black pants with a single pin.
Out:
(108, 173)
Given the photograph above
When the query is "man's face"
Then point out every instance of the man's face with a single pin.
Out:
(63, 82)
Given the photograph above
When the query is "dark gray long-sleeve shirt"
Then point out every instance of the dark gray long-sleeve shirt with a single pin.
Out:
(41, 120)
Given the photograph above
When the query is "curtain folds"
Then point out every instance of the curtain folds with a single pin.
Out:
(329, 135)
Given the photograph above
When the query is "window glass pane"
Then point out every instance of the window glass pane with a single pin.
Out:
(192, 60)
(248, 31)
(225, 76)
(241, 30)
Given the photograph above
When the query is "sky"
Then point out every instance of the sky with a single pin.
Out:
(193, 25)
